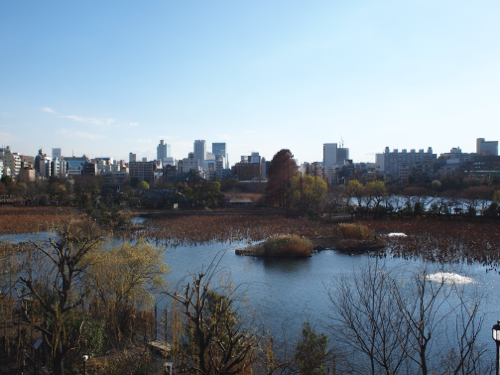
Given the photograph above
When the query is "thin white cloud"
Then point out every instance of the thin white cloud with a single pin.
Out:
(48, 110)
(249, 131)
(76, 118)
(4, 113)
(131, 124)
(91, 120)
(139, 140)
(164, 137)
(77, 134)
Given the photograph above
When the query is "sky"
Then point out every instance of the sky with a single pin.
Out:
(106, 78)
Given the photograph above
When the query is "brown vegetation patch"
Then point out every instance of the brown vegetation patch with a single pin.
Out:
(202, 229)
(443, 241)
(18, 220)
(282, 246)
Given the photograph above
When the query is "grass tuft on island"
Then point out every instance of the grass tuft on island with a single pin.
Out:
(280, 246)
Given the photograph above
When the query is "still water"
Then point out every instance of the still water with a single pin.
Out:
(287, 292)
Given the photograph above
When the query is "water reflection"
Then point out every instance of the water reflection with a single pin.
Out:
(290, 291)
(284, 265)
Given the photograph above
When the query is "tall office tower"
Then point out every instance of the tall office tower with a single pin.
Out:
(56, 153)
(200, 149)
(255, 157)
(132, 158)
(486, 147)
(329, 155)
(219, 149)
(342, 154)
(163, 151)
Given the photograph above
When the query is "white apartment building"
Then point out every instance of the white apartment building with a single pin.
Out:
(11, 161)
(395, 161)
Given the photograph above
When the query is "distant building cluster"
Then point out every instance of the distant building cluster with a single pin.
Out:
(335, 168)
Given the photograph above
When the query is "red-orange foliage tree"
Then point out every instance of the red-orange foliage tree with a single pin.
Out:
(279, 176)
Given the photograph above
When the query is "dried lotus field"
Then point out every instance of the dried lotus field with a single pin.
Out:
(19, 220)
(473, 242)
(202, 229)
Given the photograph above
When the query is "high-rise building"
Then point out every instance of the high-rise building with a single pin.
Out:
(163, 151)
(255, 157)
(200, 149)
(486, 147)
(219, 149)
(132, 158)
(329, 155)
(219, 167)
(56, 153)
(342, 154)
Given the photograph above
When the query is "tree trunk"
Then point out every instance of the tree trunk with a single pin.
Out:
(58, 362)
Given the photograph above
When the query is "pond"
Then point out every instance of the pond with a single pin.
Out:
(287, 292)
(290, 291)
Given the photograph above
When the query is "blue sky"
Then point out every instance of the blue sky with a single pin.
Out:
(112, 77)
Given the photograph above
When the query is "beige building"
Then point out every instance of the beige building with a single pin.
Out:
(11, 161)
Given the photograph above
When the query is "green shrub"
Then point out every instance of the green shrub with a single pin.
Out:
(287, 246)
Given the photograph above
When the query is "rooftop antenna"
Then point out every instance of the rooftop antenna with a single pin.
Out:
(341, 142)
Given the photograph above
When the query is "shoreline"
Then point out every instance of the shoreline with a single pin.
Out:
(320, 244)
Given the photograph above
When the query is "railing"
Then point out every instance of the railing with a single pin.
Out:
(23, 360)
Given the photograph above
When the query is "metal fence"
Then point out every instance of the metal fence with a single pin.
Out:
(23, 360)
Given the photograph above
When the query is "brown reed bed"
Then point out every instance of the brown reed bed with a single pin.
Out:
(18, 220)
(443, 241)
(186, 230)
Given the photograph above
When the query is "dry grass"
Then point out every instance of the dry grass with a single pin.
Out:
(352, 231)
(202, 229)
(287, 246)
(443, 241)
(18, 220)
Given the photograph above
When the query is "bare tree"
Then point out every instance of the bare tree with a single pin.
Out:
(396, 319)
(216, 341)
(465, 355)
(58, 293)
(421, 303)
(365, 321)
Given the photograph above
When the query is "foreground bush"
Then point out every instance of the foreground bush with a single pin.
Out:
(353, 231)
(287, 246)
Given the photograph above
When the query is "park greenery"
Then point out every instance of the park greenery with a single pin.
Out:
(84, 296)
(93, 286)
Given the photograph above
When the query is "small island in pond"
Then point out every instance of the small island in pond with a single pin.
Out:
(292, 246)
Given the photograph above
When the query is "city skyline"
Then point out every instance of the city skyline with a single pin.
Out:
(107, 80)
